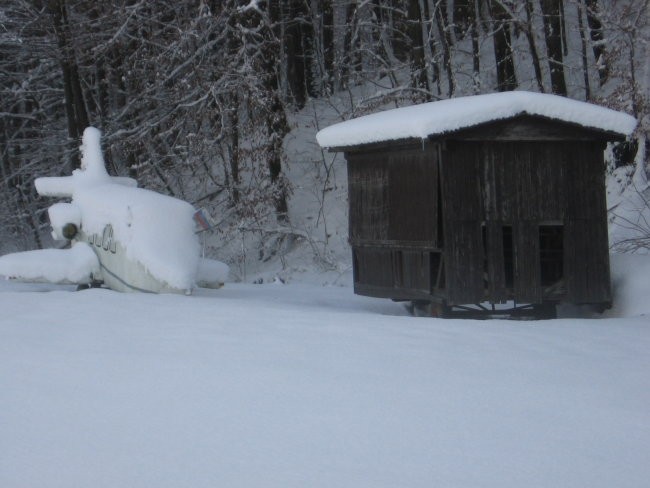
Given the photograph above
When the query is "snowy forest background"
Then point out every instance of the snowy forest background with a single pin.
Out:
(218, 102)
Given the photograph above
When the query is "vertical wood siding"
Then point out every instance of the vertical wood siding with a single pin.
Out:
(586, 243)
(393, 200)
(463, 215)
(495, 195)
(393, 196)
(523, 185)
(413, 185)
(368, 198)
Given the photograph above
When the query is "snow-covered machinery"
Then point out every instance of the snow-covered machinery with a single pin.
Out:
(122, 236)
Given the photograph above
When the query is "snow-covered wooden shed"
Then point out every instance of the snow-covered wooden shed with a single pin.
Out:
(490, 198)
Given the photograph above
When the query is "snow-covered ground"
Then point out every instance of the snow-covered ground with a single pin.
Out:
(308, 386)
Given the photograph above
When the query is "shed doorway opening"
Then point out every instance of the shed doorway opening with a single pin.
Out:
(551, 254)
(508, 257)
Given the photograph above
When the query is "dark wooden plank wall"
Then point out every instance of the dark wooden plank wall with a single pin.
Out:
(586, 263)
(487, 186)
(525, 128)
(373, 266)
(367, 199)
(393, 202)
(586, 252)
(523, 185)
(463, 215)
(392, 273)
(415, 269)
(413, 196)
(523, 180)
(393, 197)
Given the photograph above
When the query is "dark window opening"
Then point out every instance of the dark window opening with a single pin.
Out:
(508, 256)
(398, 269)
(435, 260)
(484, 242)
(551, 253)
(440, 223)
(355, 266)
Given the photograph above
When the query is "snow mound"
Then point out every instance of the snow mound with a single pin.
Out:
(154, 229)
(74, 265)
(211, 273)
(631, 285)
(434, 118)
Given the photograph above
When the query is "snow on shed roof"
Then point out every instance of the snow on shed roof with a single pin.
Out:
(435, 118)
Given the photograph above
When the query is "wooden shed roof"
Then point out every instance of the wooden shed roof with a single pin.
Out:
(448, 116)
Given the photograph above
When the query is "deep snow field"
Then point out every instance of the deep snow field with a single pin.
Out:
(308, 386)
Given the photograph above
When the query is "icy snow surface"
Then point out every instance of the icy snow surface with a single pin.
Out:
(303, 386)
(421, 121)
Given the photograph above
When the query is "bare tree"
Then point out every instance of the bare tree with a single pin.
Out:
(501, 33)
(554, 30)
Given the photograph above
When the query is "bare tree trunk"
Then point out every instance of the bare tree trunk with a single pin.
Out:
(299, 50)
(418, 67)
(346, 57)
(476, 48)
(553, 13)
(465, 22)
(440, 15)
(532, 46)
(74, 100)
(597, 38)
(277, 129)
(233, 121)
(506, 77)
(276, 120)
(325, 10)
(583, 51)
(31, 217)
